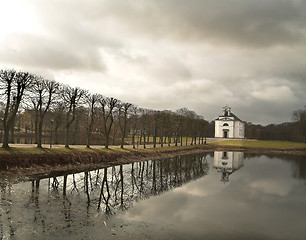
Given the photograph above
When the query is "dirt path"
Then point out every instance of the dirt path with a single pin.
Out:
(208, 140)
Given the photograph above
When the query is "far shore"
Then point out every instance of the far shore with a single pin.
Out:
(30, 162)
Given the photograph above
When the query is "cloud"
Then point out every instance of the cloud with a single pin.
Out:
(32, 51)
(235, 22)
(275, 94)
(200, 54)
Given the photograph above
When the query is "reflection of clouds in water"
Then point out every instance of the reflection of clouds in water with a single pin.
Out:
(160, 208)
(200, 188)
(261, 201)
(270, 187)
(268, 177)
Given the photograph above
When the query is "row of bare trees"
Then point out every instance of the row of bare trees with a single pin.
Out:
(76, 116)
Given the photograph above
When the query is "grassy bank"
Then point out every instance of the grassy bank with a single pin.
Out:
(281, 145)
(35, 150)
(27, 161)
(35, 160)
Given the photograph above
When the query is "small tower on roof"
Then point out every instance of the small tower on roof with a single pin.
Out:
(229, 125)
(226, 110)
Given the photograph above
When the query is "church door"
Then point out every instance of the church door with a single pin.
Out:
(225, 134)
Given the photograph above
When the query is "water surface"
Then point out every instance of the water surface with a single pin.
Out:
(221, 195)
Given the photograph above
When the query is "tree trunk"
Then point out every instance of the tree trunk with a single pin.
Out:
(11, 137)
(88, 139)
(133, 140)
(123, 133)
(67, 137)
(75, 134)
(114, 134)
(161, 139)
(39, 135)
(89, 133)
(106, 141)
(144, 140)
(154, 139)
(56, 136)
(5, 138)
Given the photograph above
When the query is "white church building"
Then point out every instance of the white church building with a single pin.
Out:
(229, 125)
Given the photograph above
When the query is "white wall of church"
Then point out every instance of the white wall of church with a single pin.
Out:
(239, 129)
(219, 128)
(235, 129)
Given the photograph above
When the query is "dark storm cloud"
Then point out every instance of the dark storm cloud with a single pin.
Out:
(167, 54)
(33, 51)
(245, 23)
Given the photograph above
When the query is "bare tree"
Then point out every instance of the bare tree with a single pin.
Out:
(179, 126)
(13, 84)
(116, 123)
(58, 114)
(107, 107)
(79, 124)
(154, 119)
(123, 116)
(92, 101)
(134, 123)
(72, 98)
(43, 93)
(144, 122)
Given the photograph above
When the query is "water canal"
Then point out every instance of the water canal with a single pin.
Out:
(220, 195)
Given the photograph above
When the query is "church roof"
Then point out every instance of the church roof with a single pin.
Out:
(232, 115)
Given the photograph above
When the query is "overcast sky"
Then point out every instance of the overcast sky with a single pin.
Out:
(167, 54)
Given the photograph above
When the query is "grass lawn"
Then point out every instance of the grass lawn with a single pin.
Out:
(261, 144)
(234, 143)
(34, 150)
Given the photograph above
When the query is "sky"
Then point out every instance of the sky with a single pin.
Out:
(167, 54)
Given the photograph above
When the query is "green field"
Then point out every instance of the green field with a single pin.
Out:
(260, 144)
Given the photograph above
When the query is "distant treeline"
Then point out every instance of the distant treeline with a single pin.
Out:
(37, 110)
(285, 131)
(289, 131)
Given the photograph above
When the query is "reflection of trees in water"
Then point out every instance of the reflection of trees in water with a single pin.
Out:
(118, 187)
(298, 166)
(7, 227)
(76, 200)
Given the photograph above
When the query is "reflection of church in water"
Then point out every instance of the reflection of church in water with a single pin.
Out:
(227, 163)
